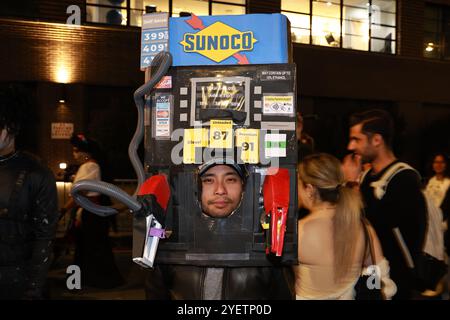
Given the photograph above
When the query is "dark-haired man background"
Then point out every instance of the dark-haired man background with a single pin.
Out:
(402, 206)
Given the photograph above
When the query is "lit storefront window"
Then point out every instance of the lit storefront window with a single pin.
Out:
(198, 7)
(436, 32)
(326, 26)
(226, 9)
(355, 25)
(368, 25)
(129, 12)
(112, 12)
(138, 8)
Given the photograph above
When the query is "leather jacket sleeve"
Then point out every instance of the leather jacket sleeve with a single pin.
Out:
(43, 218)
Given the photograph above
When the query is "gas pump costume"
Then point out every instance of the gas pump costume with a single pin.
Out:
(244, 252)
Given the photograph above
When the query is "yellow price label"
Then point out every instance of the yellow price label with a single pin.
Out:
(193, 138)
(221, 134)
(248, 142)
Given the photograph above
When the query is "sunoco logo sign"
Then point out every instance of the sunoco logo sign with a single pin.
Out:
(218, 41)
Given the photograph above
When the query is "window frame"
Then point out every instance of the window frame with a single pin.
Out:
(342, 20)
(444, 10)
(128, 8)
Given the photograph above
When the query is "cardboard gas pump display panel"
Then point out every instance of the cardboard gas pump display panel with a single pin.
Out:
(228, 40)
(231, 92)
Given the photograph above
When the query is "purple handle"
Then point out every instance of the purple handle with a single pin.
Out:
(155, 232)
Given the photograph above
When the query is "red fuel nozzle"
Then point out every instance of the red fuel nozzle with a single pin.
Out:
(276, 203)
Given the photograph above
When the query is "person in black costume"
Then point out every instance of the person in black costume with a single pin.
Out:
(28, 208)
(221, 186)
(93, 251)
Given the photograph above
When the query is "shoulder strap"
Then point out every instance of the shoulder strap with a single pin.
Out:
(403, 247)
(394, 169)
(363, 175)
(380, 186)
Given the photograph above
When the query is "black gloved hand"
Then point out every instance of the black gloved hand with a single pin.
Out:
(151, 206)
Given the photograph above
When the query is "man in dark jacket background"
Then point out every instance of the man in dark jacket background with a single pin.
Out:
(28, 208)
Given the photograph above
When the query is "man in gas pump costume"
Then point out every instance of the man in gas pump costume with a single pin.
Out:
(221, 186)
(221, 230)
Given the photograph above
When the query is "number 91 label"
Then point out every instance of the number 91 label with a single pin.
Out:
(248, 141)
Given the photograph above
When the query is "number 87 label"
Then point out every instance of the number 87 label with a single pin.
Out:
(248, 142)
(221, 134)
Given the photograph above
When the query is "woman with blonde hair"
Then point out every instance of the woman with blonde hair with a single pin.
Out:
(331, 238)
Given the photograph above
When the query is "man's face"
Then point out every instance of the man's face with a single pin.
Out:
(221, 191)
(360, 144)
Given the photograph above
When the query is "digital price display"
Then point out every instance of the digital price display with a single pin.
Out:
(154, 37)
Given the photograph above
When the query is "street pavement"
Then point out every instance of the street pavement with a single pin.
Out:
(133, 288)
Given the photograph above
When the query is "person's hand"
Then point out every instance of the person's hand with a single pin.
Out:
(351, 167)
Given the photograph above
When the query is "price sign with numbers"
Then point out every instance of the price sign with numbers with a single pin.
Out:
(155, 36)
(221, 134)
(248, 142)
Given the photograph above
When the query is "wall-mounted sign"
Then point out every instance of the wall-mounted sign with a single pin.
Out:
(62, 130)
